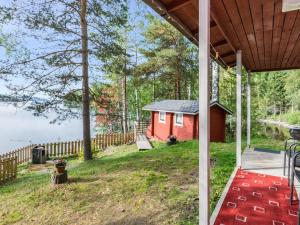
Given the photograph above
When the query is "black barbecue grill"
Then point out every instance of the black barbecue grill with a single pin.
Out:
(295, 133)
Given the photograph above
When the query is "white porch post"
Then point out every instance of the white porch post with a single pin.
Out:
(248, 109)
(239, 108)
(204, 161)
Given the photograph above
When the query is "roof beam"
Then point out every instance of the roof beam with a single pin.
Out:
(162, 11)
(177, 4)
(214, 17)
(227, 54)
(195, 32)
(219, 43)
(212, 25)
(231, 64)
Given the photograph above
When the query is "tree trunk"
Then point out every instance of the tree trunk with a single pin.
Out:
(85, 83)
(189, 90)
(215, 81)
(178, 91)
(124, 97)
(210, 79)
(137, 106)
(138, 115)
(178, 81)
(153, 87)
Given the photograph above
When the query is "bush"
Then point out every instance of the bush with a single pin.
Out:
(292, 118)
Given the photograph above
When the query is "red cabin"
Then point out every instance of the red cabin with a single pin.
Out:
(180, 118)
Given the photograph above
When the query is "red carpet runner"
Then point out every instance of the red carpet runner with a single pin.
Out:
(258, 199)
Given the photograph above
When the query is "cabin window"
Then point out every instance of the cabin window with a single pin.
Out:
(178, 119)
(162, 117)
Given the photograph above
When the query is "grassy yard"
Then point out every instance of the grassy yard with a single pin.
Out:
(121, 186)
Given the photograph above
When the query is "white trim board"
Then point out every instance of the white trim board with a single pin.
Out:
(171, 111)
(178, 124)
(216, 211)
(165, 117)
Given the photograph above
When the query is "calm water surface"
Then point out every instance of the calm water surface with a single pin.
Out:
(20, 128)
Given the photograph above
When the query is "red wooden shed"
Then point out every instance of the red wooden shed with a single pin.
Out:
(180, 118)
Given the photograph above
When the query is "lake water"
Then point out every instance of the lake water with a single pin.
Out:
(20, 128)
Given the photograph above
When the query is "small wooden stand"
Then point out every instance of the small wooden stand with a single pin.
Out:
(59, 178)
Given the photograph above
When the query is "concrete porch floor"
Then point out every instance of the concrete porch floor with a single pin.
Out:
(266, 161)
(263, 161)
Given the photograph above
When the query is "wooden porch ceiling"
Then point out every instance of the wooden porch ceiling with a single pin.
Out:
(268, 37)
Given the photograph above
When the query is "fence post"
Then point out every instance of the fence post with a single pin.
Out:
(54, 150)
(15, 167)
(1, 169)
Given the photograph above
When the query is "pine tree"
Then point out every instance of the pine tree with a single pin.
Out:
(171, 61)
(72, 38)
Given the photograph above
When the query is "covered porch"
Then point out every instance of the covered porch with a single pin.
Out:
(257, 35)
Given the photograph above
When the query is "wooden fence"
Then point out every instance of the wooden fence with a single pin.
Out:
(141, 127)
(22, 155)
(61, 149)
(8, 169)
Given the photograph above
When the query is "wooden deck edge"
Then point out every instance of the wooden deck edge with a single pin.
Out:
(216, 211)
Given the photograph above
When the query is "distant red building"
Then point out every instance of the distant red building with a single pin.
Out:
(180, 118)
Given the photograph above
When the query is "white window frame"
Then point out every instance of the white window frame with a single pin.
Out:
(175, 121)
(165, 117)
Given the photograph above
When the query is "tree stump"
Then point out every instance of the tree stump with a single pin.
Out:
(59, 178)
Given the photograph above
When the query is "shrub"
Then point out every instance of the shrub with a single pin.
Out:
(292, 117)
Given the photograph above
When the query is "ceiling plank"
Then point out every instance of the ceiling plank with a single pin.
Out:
(233, 13)
(296, 62)
(220, 16)
(293, 46)
(277, 31)
(224, 34)
(268, 38)
(256, 12)
(276, 69)
(289, 21)
(294, 56)
(268, 12)
(244, 10)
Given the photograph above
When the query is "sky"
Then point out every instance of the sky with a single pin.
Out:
(136, 10)
(21, 126)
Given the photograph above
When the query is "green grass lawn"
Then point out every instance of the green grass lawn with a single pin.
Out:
(121, 186)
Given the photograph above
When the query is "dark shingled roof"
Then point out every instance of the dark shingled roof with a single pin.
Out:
(183, 106)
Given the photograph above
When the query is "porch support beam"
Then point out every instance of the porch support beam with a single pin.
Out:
(248, 109)
(204, 121)
(239, 108)
(177, 4)
(220, 43)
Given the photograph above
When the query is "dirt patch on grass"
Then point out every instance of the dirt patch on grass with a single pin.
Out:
(142, 210)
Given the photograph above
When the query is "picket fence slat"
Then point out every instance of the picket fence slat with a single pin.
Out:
(8, 168)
